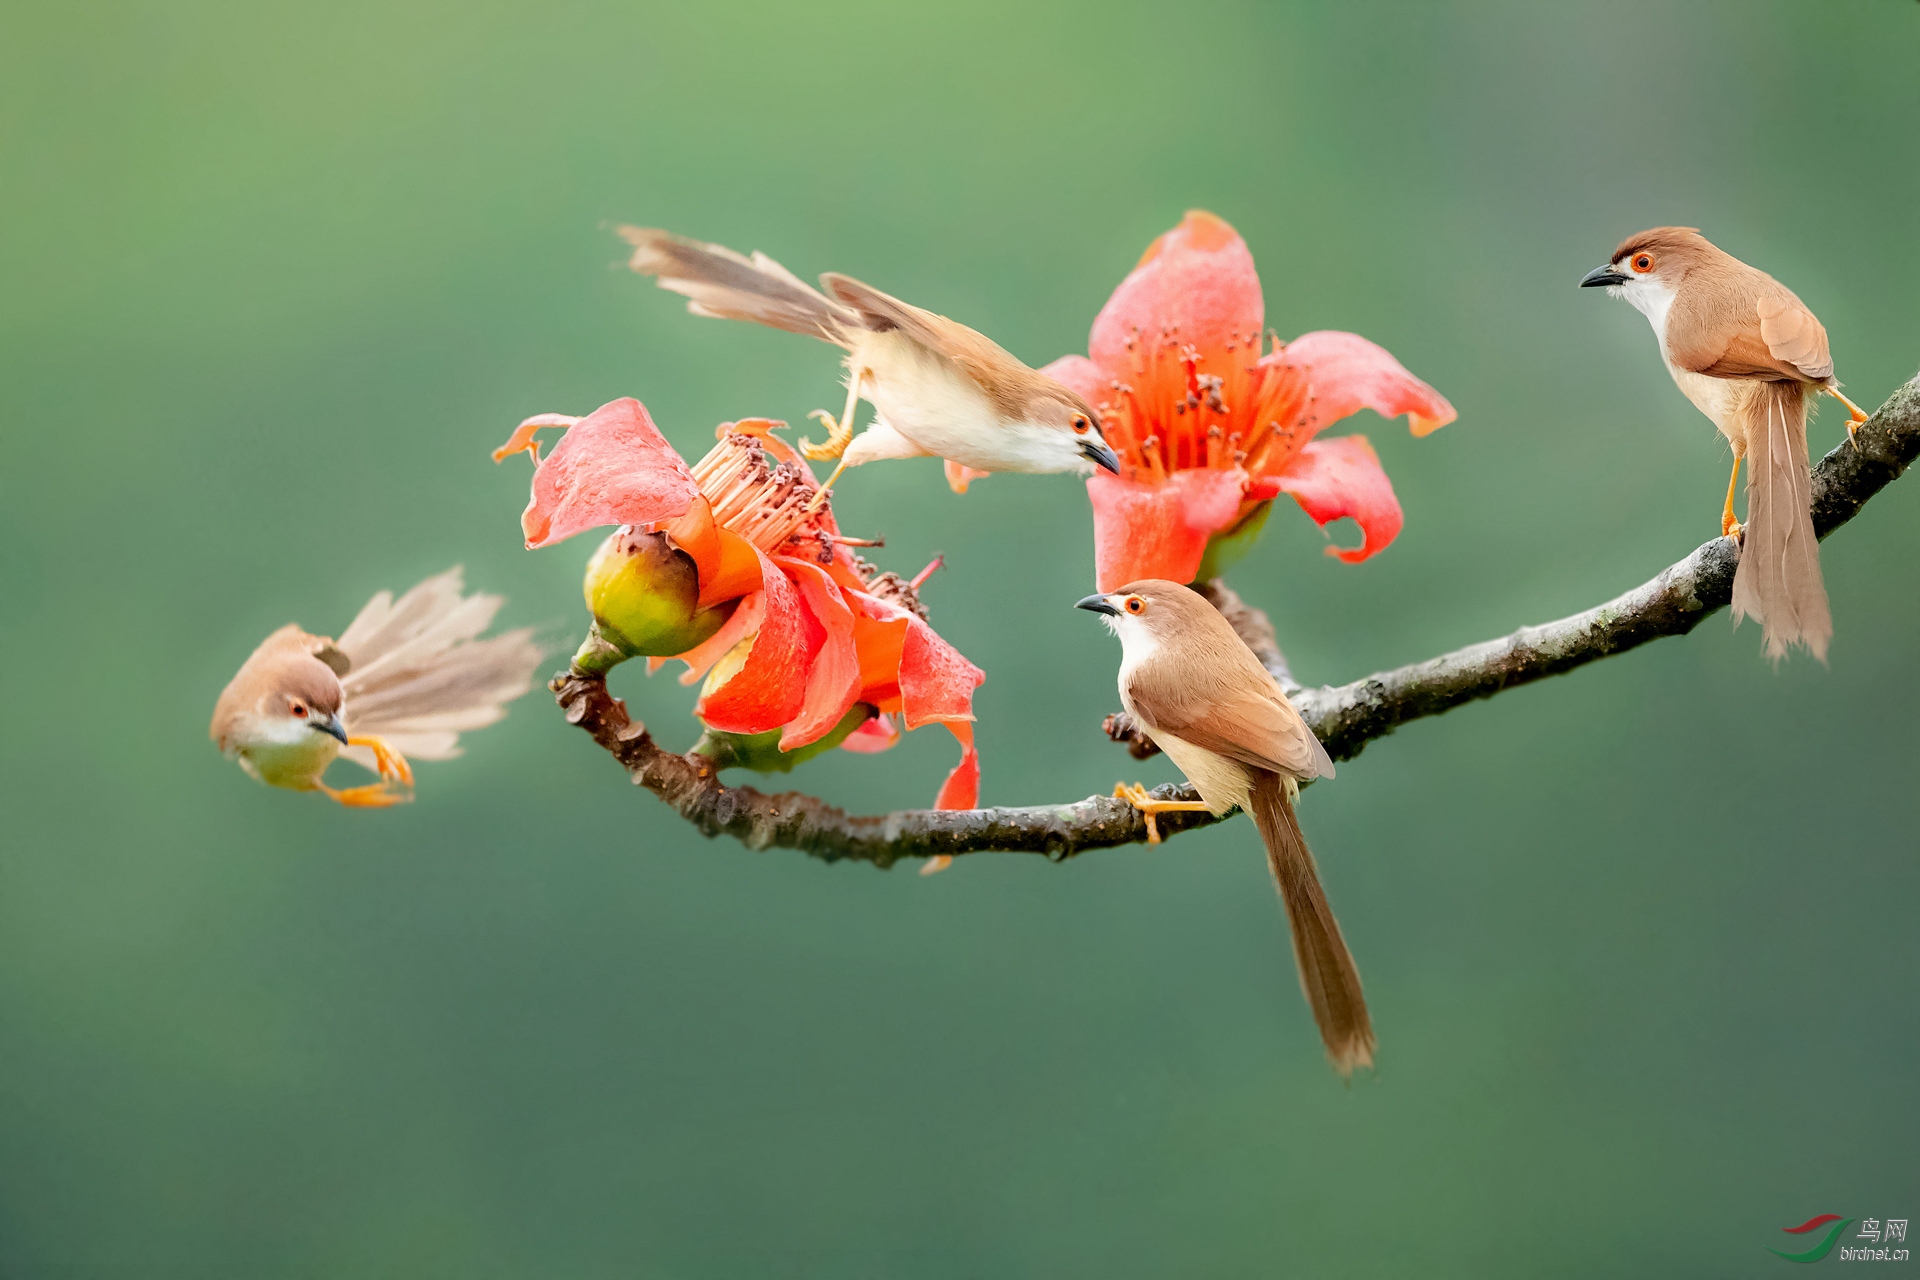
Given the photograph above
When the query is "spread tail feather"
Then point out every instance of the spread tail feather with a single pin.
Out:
(1778, 580)
(420, 674)
(718, 282)
(1327, 973)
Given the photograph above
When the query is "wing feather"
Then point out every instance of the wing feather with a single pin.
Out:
(1247, 719)
(421, 675)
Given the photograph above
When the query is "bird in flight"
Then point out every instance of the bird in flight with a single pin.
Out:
(937, 387)
(405, 679)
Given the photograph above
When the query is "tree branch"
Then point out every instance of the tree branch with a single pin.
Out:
(1346, 718)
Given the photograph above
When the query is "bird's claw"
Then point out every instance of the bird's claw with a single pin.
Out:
(839, 435)
(1142, 799)
(392, 765)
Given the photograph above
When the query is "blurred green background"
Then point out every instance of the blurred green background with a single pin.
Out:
(1640, 942)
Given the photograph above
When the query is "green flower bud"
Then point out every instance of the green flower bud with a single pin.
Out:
(761, 751)
(644, 593)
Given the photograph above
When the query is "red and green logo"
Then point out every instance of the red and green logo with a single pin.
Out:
(1813, 1224)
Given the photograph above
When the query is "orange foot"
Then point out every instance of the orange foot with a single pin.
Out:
(392, 765)
(375, 795)
(1859, 417)
(1137, 796)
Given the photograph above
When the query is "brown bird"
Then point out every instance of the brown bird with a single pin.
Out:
(1751, 357)
(406, 678)
(1195, 688)
(937, 387)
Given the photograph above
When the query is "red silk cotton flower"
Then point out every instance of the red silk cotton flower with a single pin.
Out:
(730, 567)
(1209, 428)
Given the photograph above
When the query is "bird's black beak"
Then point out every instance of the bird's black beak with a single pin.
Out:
(330, 725)
(1102, 454)
(1601, 276)
(1097, 604)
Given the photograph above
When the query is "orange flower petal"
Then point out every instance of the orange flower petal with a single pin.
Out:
(1349, 374)
(695, 533)
(738, 572)
(612, 467)
(1342, 477)
(1199, 277)
(961, 790)
(700, 659)
(771, 688)
(936, 683)
(1158, 530)
(833, 682)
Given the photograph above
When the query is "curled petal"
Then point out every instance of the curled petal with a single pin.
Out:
(1198, 277)
(961, 790)
(1342, 477)
(1159, 530)
(522, 439)
(771, 687)
(728, 566)
(1349, 374)
(833, 682)
(612, 467)
(763, 430)
(1082, 377)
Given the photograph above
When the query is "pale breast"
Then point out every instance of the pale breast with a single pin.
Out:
(924, 398)
(295, 763)
(1721, 399)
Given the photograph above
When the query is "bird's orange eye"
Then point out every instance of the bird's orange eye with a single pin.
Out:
(299, 711)
(1136, 605)
(1080, 424)
(1643, 262)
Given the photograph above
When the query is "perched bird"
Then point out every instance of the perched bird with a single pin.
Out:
(406, 678)
(1751, 357)
(937, 387)
(1195, 688)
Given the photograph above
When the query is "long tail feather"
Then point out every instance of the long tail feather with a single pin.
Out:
(1327, 972)
(421, 677)
(1778, 580)
(732, 286)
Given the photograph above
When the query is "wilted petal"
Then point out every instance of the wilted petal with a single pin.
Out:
(612, 467)
(1158, 530)
(1342, 477)
(770, 689)
(961, 790)
(1349, 374)
(1199, 277)
(936, 683)
(833, 683)
(1082, 377)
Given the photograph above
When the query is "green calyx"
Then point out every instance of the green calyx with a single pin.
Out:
(1226, 547)
(644, 593)
(761, 751)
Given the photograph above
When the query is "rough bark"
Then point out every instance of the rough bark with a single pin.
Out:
(1345, 717)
